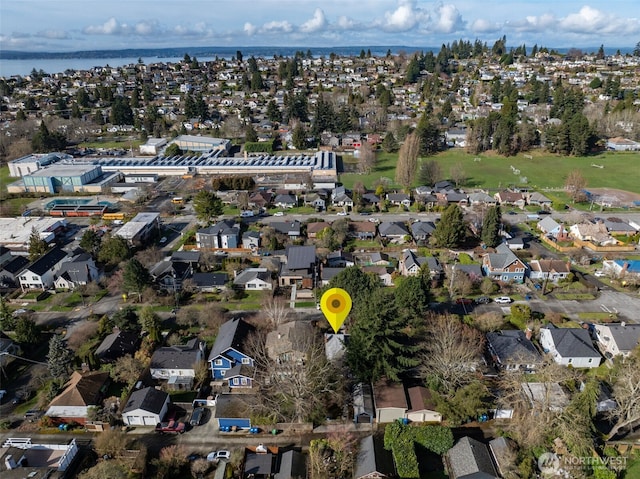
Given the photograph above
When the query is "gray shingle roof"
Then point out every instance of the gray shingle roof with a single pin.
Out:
(626, 337)
(470, 459)
(177, 357)
(48, 261)
(292, 466)
(573, 342)
(231, 334)
(372, 457)
(391, 228)
(513, 346)
(118, 344)
(503, 257)
(147, 399)
(301, 257)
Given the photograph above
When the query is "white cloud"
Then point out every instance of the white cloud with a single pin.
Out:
(315, 24)
(481, 25)
(591, 20)
(250, 29)
(195, 30)
(448, 19)
(54, 34)
(403, 18)
(146, 28)
(110, 27)
(282, 26)
(345, 23)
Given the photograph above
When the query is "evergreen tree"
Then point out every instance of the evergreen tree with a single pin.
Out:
(389, 143)
(357, 283)
(491, 227)
(207, 206)
(113, 249)
(7, 321)
(299, 137)
(27, 331)
(378, 344)
(135, 277)
(451, 230)
(37, 246)
(59, 358)
(90, 242)
(121, 113)
(250, 134)
(273, 112)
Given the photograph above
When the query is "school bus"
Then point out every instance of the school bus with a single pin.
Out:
(178, 200)
(113, 216)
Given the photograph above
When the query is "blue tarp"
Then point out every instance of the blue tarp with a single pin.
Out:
(238, 422)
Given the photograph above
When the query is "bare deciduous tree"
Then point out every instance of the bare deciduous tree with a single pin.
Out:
(367, 158)
(127, 369)
(275, 310)
(408, 161)
(575, 185)
(452, 350)
(458, 175)
(293, 387)
(626, 392)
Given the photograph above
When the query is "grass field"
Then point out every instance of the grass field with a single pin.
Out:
(544, 170)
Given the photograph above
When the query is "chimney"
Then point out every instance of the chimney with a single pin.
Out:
(623, 324)
(528, 333)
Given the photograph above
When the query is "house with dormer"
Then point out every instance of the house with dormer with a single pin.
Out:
(223, 234)
(79, 271)
(229, 360)
(504, 265)
(410, 263)
(41, 273)
(569, 346)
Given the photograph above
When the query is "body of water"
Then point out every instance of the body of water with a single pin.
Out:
(10, 68)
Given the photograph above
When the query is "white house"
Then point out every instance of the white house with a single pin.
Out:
(42, 272)
(176, 364)
(570, 346)
(252, 279)
(617, 339)
(550, 269)
(145, 407)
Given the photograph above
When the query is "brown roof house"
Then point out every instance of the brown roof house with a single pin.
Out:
(395, 401)
(82, 391)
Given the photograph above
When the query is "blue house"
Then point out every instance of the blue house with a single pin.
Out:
(504, 265)
(227, 360)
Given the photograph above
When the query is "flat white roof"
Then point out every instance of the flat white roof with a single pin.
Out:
(64, 170)
(16, 231)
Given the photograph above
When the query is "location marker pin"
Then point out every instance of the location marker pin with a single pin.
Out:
(335, 304)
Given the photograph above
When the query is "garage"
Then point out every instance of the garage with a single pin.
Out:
(145, 407)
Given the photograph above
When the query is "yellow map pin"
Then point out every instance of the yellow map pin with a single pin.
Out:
(335, 304)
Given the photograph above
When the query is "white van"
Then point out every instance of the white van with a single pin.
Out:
(246, 214)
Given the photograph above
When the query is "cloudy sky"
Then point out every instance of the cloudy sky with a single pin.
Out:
(67, 25)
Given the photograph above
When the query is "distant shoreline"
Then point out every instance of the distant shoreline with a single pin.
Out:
(263, 51)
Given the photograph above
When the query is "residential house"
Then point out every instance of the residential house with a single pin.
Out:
(371, 200)
(619, 227)
(597, 233)
(340, 197)
(300, 267)
(316, 201)
(473, 271)
(177, 364)
(373, 460)
(316, 227)
(327, 274)
(551, 227)
(470, 459)
(410, 263)
(569, 346)
(553, 270)
(41, 273)
(228, 357)
(251, 240)
(210, 282)
(504, 265)
(79, 271)
(5, 255)
(285, 201)
(384, 273)
(253, 279)
(232, 414)
(224, 234)
(617, 339)
(339, 259)
(117, 344)
(289, 343)
(622, 268)
(481, 198)
(451, 196)
(363, 230)
(539, 199)
(399, 199)
(293, 465)
(37, 457)
(374, 258)
(10, 272)
(260, 199)
(146, 407)
(515, 244)
(170, 273)
(82, 391)
(512, 350)
(393, 231)
(511, 198)
(622, 144)
(289, 228)
(422, 230)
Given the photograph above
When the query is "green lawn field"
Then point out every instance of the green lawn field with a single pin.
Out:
(619, 170)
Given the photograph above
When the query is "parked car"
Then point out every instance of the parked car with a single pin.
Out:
(278, 213)
(223, 454)
(163, 240)
(599, 274)
(342, 213)
(197, 416)
(246, 214)
(466, 301)
(365, 213)
(32, 414)
(503, 300)
(483, 300)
